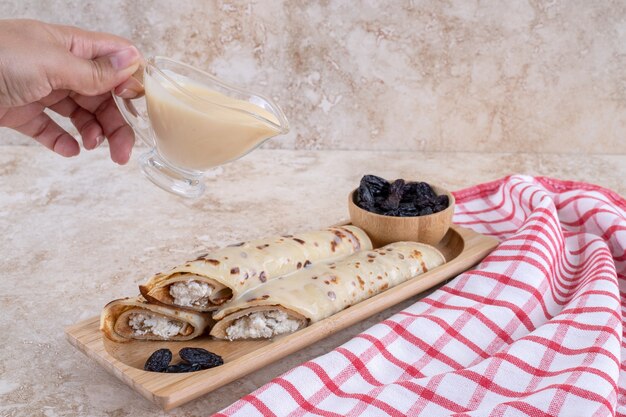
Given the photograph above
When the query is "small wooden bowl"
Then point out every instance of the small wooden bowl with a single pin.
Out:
(382, 230)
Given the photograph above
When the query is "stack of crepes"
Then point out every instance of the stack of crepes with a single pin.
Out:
(266, 287)
(535, 330)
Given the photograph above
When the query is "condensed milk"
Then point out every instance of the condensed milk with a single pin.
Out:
(193, 122)
(199, 128)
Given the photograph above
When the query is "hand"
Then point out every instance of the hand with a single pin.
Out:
(71, 72)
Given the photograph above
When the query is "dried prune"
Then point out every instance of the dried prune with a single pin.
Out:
(398, 198)
(183, 367)
(200, 356)
(410, 192)
(395, 196)
(365, 196)
(422, 203)
(376, 185)
(407, 207)
(158, 361)
(397, 187)
(442, 200)
(425, 190)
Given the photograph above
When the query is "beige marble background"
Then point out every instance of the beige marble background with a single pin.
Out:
(512, 75)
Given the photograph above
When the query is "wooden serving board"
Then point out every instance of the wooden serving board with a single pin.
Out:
(463, 248)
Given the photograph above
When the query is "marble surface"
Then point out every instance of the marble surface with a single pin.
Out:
(77, 233)
(423, 75)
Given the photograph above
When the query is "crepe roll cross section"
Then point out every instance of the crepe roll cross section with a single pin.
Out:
(218, 276)
(294, 301)
(134, 318)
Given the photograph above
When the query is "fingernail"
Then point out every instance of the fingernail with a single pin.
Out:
(127, 93)
(124, 58)
(99, 140)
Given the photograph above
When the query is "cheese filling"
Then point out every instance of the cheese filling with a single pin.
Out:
(143, 324)
(191, 293)
(262, 324)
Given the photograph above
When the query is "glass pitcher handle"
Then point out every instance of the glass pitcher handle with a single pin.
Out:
(140, 124)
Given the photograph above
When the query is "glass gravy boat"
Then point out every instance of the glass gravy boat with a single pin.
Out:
(196, 122)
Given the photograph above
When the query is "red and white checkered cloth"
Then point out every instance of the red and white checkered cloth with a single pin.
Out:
(534, 330)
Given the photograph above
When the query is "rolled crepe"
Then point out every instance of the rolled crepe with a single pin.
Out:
(216, 277)
(293, 301)
(134, 318)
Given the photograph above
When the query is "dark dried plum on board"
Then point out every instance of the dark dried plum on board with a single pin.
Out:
(182, 367)
(200, 356)
(158, 361)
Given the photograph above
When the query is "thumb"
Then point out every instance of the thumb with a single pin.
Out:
(92, 77)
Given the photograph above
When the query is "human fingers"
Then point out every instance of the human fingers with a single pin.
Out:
(129, 89)
(95, 76)
(45, 131)
(120, 136)
(93, 62)
(16, 116)
(85, 122)
(88, 44)
(109, 59)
